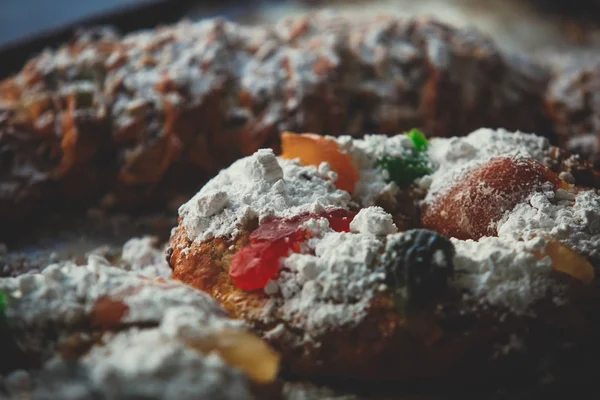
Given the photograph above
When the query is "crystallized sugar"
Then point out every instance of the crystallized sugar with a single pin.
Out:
(574, 221)
(502, 272)
(256, 187)
(373, 221)
(331, 288)
(453, 157)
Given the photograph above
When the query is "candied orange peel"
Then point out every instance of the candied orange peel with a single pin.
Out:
(568, 261)
(241, 350)
(313, 149)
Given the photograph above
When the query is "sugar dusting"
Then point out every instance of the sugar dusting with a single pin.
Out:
(153, 361)
(502, 273)
(256, 187)
(574, 220)
(331, 285)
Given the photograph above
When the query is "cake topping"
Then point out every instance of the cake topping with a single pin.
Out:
(472, 207)
(502, 273)
(373, 221)
(418, 265)
(574, 222)
(258, 186)
(256, 264)
(331, 284)
(453, 157)
(413, 164)
(314, 150)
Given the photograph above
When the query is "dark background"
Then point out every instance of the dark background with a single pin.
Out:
(27, 26)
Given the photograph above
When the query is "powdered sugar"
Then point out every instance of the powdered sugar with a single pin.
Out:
(333, 287)
(141, 255)
(575, 222)
(152, 362)
(373, 221)
(142, 364)
(63, 295)
(256, 187)
(502, 272)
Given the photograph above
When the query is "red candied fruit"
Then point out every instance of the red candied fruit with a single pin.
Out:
(339, 219)
(472, 208)
(257, 263)
(254, 265)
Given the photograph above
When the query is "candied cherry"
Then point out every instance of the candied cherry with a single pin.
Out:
(254, 265)
(314, 149)
(472, 207)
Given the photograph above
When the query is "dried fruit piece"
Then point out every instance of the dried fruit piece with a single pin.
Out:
(418, 264)
(471, 208)
(418, 139)
(108, 313)
(404, 169)
(313, 149)
(568, 261)
(254, 265)
(339, 219)
(241, 350)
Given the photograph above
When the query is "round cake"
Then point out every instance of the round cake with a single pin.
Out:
(397, 258)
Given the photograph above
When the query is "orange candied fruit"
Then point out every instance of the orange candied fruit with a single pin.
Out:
(566, 260)
(314, 149)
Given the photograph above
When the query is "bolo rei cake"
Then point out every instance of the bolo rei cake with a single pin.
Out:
(397, 258)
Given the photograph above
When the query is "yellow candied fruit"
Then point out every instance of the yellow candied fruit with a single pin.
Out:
(568, 261)
(313, 149)
(241, 350)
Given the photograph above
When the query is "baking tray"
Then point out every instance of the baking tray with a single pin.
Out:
(58, 237)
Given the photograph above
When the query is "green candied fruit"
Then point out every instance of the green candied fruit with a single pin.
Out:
(404, 170)
(2, 304)
(418, 138)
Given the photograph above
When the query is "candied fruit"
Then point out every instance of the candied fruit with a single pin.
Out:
(418, 265)
(568, 261)
(254, 265)
(241, 350)
(314, 149)
(404, 170)
(471, 208)
(418, 139)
